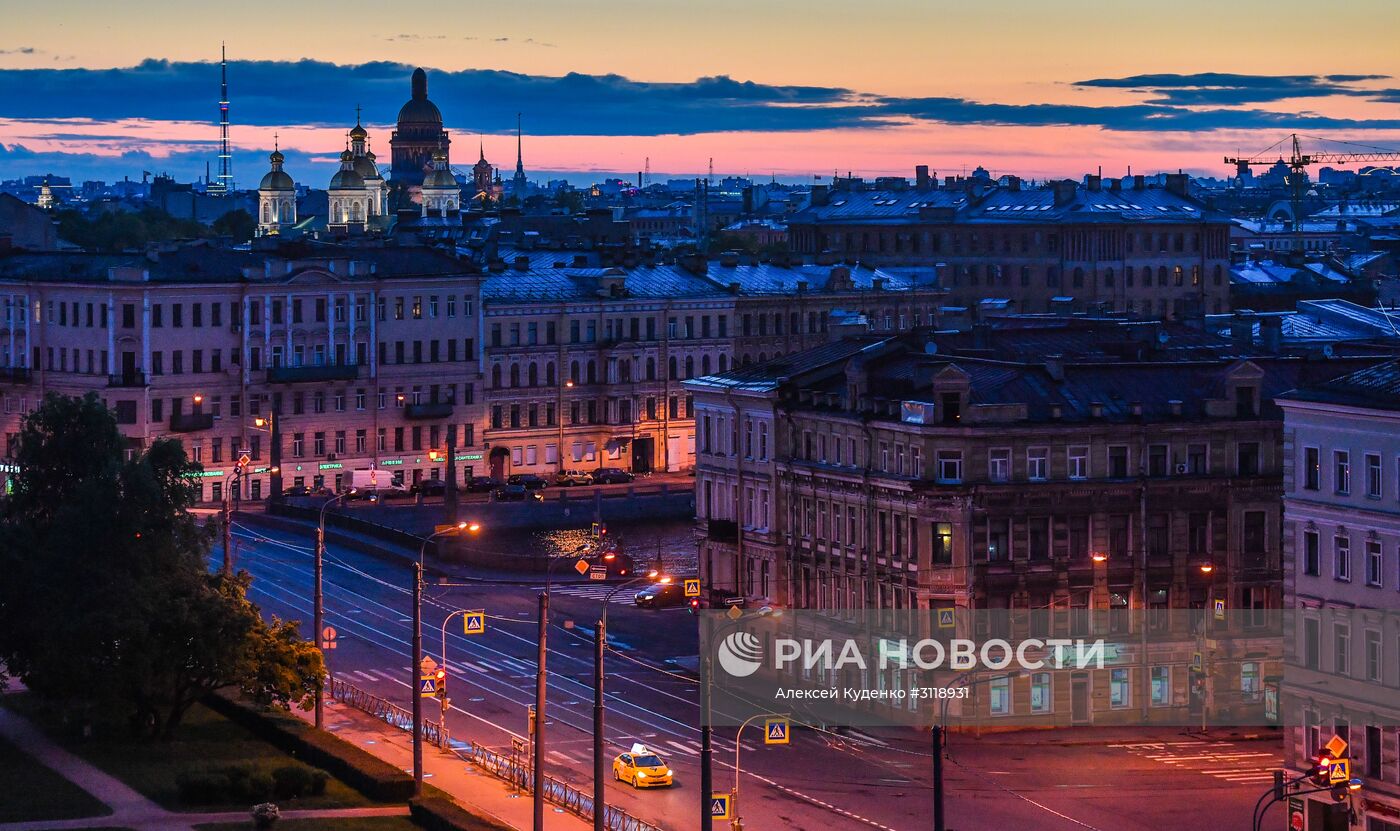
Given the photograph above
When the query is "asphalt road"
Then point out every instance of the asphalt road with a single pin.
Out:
(820, 781)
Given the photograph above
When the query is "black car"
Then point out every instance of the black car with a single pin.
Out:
(612, 476)
(431, 487)
(297, 490)
(529, 480)
(483, 484)
(515, 493)
(661, 595)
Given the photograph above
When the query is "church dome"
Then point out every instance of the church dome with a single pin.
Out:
(346, 178)
(419, 110)
(364, 165)
(440, 179)
(358, 132)
(276, 178)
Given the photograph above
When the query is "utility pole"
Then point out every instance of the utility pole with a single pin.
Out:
(707, 748)
(938, 778)
(600, 639)
(274, 426)
(540, 715)
(413, 674)
(227, 517)
(449, 495)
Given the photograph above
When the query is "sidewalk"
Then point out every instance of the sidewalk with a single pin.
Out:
(129, 808)
(475, 790)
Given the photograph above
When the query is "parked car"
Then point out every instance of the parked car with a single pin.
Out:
(431, 487)
(483, 484)
(297, 490)
(661, 595)
(529, 480)
(612, 476)
(568, 478)
(515, 493)
(393, 490)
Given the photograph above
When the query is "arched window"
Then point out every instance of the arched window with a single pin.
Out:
(496, 376)
(515, 375)
(762, 357)
(690, 366)
(286, 211)
(624, 368)
(1178, 275)
(267, 212)
(705, 364)
(1162, 272)
(723, 363)
(549, 374)
(672, 374)
(795, 323)
(592, 371)
(573, 372)
(534, 375)
(651, 368)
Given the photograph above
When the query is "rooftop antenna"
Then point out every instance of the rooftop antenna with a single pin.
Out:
(711, 176)
(225, 184)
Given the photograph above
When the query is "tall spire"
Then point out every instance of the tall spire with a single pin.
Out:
(481, 145)
(225, 183)
(518, 183)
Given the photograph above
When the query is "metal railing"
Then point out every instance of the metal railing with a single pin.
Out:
(564, 795)
(386, 711)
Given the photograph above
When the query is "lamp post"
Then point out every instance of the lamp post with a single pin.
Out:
(737, 823)
(417, 655)
(537, 757)
(568, 384)
(600, 641)
(272, 424)
(317, 610)
(230, 481)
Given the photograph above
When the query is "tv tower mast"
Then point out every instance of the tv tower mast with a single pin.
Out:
(224, 185)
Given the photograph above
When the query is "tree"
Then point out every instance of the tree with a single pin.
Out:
(107, 598)
(237, 224)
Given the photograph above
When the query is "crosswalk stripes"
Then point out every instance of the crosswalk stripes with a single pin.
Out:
(593, 591)
(1225, 761)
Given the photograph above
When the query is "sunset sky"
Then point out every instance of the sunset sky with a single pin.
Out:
(103, 90)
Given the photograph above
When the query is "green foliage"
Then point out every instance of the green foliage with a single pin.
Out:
(120, 230)
(237, 224)
(108, 600)
(244, 783)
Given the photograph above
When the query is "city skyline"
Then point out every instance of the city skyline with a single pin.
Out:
(1063, 92)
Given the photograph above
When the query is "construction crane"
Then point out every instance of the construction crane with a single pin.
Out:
(1298, 162)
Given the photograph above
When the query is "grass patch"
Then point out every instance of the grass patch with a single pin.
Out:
(204, 742)
(34, 792)
(323, 824)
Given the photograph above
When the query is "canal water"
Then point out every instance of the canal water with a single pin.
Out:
(673, 541)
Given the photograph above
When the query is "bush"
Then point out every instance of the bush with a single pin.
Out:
(291, 781)
(319, 778)
(257, 788)
(440, 814)
(203, 787)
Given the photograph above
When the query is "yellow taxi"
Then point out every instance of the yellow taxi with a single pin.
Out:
(641, 767)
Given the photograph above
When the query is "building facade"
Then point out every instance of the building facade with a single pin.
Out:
(1342, 556)
(1115, 245)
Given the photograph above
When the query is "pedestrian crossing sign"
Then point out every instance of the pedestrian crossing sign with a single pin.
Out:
(427, 686)
(719, 806)
(692, 587)
(1219, 609)
(1339, 771)
(945, 618)
(776, 731)
(474, 623)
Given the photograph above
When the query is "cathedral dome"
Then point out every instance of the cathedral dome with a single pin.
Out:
(364, 165)
(358, 132)
(419, 110)
(346, 178)
(441, 179)
(276, 178)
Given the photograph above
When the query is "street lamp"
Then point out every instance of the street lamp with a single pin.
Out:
(318, 613)
(272, 424)
(417, 655)
(1099, 557)
(600, 641)
(230, 482)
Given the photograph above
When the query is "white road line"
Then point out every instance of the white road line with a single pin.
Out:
(364, 676)
(682, 748)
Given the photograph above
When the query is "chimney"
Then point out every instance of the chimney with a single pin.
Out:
(1179, 184)
(1271, 333)
(921, 179)
(729, 259)
(1242, 329)
(1137, 409)
(1013, 184)
(695, 264)
(801, 286)
(1064, 192)
(580, 261)
(819, 194)
(1057, 411)
(1096, 409)
(1139, 182)
(1115, 184)
(1093, 183)
(522, 263)
(1175, 407)
(950, 182)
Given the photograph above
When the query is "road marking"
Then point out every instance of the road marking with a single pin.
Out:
(364, 676)
(681, 748)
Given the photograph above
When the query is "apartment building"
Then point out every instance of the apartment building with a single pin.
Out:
(1342, 581)
(369, 356)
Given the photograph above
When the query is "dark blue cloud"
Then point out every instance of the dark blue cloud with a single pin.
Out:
(1230, 89)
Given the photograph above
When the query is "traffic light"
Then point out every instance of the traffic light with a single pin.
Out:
(1321, 768)
(532, 721)
(440, 679)
(694, 605)
(1340, 793)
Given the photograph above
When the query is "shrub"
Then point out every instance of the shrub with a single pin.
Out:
(202, 787)
(291, 781)
(258, 787)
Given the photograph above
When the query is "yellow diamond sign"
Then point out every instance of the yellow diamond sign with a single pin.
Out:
(581, 566)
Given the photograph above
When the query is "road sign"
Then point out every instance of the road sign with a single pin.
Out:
(1197, 660)
(734, 600)
(328, 635)
(474, 623)
(518, 744)
(692, 587)
(1336, 746)
(581, 566)
(719, 806)
(735, 613)
(1220, 609)
(427, 665)
(1339, 771)
(598, 573)
(776, 730)
(1295, 813)
(244, 459)
(427, 686)
(945, 618)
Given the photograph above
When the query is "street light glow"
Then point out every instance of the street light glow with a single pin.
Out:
(474, 527)
(1207, 568)
(1100, 557)
(198, 399)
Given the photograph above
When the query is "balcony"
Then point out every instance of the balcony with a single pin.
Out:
(723, 530)
(14, 374)
(312, 374)
(127, 379)
(191, 422)
(421, 412)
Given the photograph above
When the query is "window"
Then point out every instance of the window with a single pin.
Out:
(1341, 471)
(999, 699)
(1079, 462)
(1373, 655)
(1341, 647)
(998, 540)
(1037, 468)
(1161, 686)
(1312, 557)
(1312, 469)
(1249, 681)
(1341, 548)
(942, 543)
(999, 464)
(950, 467)
(1118, 462)
(1373, 475)
(1373, 563)
(1157, 460)
(1119, 689)
(1247, 458)
(1040, 692)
